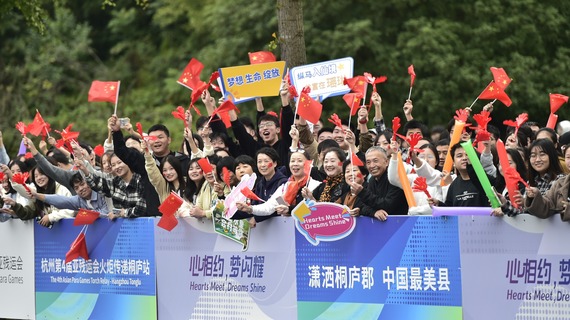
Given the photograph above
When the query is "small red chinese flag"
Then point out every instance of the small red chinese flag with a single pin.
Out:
(307, 167)
(38, 126)
(78, 249)
(412, 74)
(353, 101)
(494, 91)
(104, 91)
(261, 57)
(205, 165)
(357, 84)
(246, 191)
(556, 101)
(167, 222)
(500, 77)
(309, 108)
(225, 116)
(226, 106)
(171, 204)
(85, 216)
(226, 176)
(190, 77)
(356, 160)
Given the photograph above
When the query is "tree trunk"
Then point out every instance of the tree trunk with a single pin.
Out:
(291, 33)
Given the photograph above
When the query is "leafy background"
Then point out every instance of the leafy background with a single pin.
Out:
(52, 50)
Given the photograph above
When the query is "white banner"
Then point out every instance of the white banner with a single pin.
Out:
(17, 298)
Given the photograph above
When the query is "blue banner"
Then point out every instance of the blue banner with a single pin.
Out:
(203, 275)
(398, 269)
(117, 282)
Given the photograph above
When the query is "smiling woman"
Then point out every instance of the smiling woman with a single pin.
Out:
(544, 165)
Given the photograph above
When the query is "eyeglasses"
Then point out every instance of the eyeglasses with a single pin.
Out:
(266, 125)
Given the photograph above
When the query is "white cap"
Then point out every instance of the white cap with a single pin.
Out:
(563, 127)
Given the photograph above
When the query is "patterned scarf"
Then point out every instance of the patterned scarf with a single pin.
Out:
(330, 184)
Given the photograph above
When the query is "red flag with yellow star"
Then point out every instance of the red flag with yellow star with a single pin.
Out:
(556, 101)
(190, 77)
(261, 57)
(104, 91)
(357, 84)
(85, 216)
(494, 91)
(353, 102)
(501, 78)
(171, 204)
(309, 109)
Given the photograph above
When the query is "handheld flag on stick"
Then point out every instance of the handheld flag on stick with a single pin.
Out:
(353, 102)
(226, 176)
(556, 101)
(309, 108)
(105, 91)
(374, 80)
(412, 74)
(206, 167)
(261, 57)
(357, 84)
(500, 77)
(292, 90)
(246, 191)
(494, 91)
(143, 135)
(168, 209)
(190, 78)
(78, 248)
(66, 137)
(38, 126)
(223, 111)
(85, 217)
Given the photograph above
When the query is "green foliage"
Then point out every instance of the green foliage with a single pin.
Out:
(146, 44)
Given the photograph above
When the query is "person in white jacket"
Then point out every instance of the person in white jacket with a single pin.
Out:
(43, 184)
(288, 195)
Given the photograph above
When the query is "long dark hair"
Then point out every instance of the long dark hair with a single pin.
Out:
(177, 166)
(192, 188)
(48, 189)
(554, 168)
